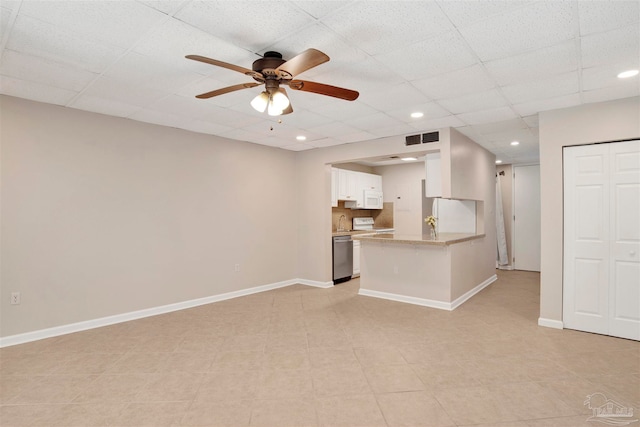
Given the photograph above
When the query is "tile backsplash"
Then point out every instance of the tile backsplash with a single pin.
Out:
(381, 217)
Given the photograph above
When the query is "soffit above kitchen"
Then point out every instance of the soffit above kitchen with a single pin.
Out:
(485, 68)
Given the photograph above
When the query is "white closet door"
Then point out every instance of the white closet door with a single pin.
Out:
(624, 275)
(586, 238)
(526, 210)
(602, 239)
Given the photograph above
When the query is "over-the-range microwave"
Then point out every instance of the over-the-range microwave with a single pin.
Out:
(372, 199)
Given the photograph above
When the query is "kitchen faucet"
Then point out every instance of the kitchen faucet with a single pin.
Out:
(340, 228)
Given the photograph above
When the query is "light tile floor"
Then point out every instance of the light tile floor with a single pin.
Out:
(302, 356)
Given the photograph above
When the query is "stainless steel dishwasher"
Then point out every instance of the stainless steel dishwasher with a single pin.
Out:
(342, 258)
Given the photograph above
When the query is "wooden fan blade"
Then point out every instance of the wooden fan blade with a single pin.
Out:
(226, 65)
(226, 90)
(323, 89)
(302, 62)
(289, 109)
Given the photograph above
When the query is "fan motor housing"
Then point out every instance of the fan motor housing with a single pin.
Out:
(268, 64)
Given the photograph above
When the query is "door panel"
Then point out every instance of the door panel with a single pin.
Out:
(602, 238)
(526, 234)
(586, 235)
(624, 282)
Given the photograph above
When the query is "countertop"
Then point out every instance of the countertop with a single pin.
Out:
(444, 239)
(354, 232)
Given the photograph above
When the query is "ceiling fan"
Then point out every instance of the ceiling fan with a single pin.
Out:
(273, 71)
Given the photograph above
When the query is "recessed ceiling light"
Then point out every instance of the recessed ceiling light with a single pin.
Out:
(417, 115)
(498, 162)
(408, 159)
(515, 142)
(627, 74)
(301, 137)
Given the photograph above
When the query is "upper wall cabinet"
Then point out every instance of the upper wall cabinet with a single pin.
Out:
(351, 185)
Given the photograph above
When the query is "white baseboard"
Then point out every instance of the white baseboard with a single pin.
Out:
(153, 311)
(550, 323)
(442, 305)
(324, 285)
(464, 297)
(403, 298)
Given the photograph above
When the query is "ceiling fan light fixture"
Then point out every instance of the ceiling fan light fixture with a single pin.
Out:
(272, 110)
(260, 102)
(280, 100)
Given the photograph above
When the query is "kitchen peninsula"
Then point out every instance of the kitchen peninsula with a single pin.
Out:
(441, 273)
(445, 272)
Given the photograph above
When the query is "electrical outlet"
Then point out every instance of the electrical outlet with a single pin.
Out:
(15, 298)
(237, 267)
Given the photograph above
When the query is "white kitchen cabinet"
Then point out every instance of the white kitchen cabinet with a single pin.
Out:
(356, 258)
(433, 175)
(347, 185)
(370, 182)
(351, 186)
(334, 187)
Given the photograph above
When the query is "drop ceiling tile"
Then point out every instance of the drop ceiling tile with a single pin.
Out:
(122, 92)
(39, 70)
(599, 16)
(320, 9)
(617, 46)
(35, 91)
(608, 94)
(354, 137)
(436, 55)
(471, 132)
(464, 13)
(5, 19)
(345, 110)
(365, 76)
(159, 118)
(232, 118)
(532, 121)
(164, 6)
(480, 101)
(442, 122)
(173, 40)
(245, 24)
(431, 110)
(139, 70)
(305, 119)
(492, 115)
(535, 106)
(396, 130)
(244, 135)
(379, 27)
(393, 97)
(326, 142)
(127, 20)
(104, 106)
(535, 65)
(605, 76)
(334, 129)
(503, 139)
(181, 106)
(274, 142)
(374, 121)
(501, 126)
(521, 30)
(551, 87)
(457, 83)
(11, 4)
(38, 38)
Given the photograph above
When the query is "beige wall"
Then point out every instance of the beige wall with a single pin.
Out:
(314, 190)
(103, 215)
(586, 124)
(402, 185)
(506, 187)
